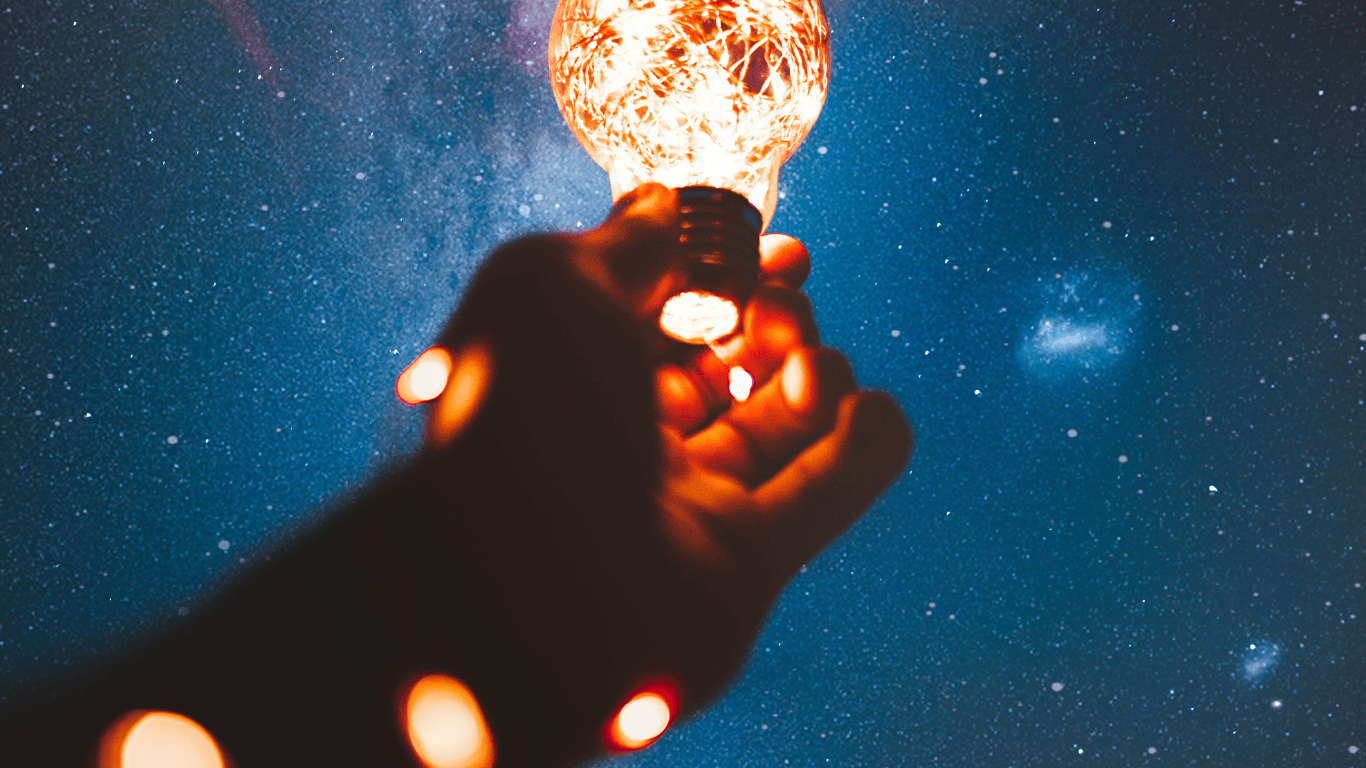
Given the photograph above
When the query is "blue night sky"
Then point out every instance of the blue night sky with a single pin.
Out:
(1111, 259)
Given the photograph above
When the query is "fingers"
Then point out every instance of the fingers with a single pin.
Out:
(651, 205)
(783, 261)
(778, 320)
(690, 396)
(777, 315)
(632, 255)
(826, 487)
(752, 439)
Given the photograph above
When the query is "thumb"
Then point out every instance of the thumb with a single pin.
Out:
(634, 254)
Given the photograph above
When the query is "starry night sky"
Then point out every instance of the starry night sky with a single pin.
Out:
(1111, 258)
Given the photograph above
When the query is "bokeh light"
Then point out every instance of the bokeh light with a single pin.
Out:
(445, 725)
(640, 721)
(425, 378)
(740, 383)
(470, 376)
(697, 317)
(145, 739)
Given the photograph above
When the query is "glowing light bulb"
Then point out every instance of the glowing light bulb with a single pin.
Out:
(698, 95)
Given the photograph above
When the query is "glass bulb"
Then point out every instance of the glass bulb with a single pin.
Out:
(691, 92)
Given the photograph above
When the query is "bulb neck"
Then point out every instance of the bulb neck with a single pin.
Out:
(719, 233)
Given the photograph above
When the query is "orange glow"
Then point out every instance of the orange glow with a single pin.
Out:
(471, 374)
(425, 378)
(145, 739)
(740, 383)
(698, 317)
(445, 725)
(691, 92)
(640, 721)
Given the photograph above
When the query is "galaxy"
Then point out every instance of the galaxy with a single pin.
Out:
(1085, 327)
(1108, 258)
(1258, 661)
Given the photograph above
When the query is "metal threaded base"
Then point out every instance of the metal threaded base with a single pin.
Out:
(720, 237)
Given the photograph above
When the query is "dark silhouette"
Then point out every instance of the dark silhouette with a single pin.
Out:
(607, 516)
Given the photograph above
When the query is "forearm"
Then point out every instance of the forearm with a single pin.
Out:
(523, 558)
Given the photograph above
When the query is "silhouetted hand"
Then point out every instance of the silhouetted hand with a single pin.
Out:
(567, 538)
(748, 490)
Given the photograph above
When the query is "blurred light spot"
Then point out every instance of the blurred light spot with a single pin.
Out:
(740, 383)
(1056, 687)
(640, 721)
(446, 726)
(698, 317)
(145, 739)
(471, 373)
(425, 378)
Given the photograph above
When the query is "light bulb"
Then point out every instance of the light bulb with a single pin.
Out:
(703, 96)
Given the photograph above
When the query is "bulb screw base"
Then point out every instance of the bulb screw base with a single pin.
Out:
(719, 231)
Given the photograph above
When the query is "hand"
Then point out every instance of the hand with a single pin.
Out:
(750, 490)
(745, 492)
(551, 605)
